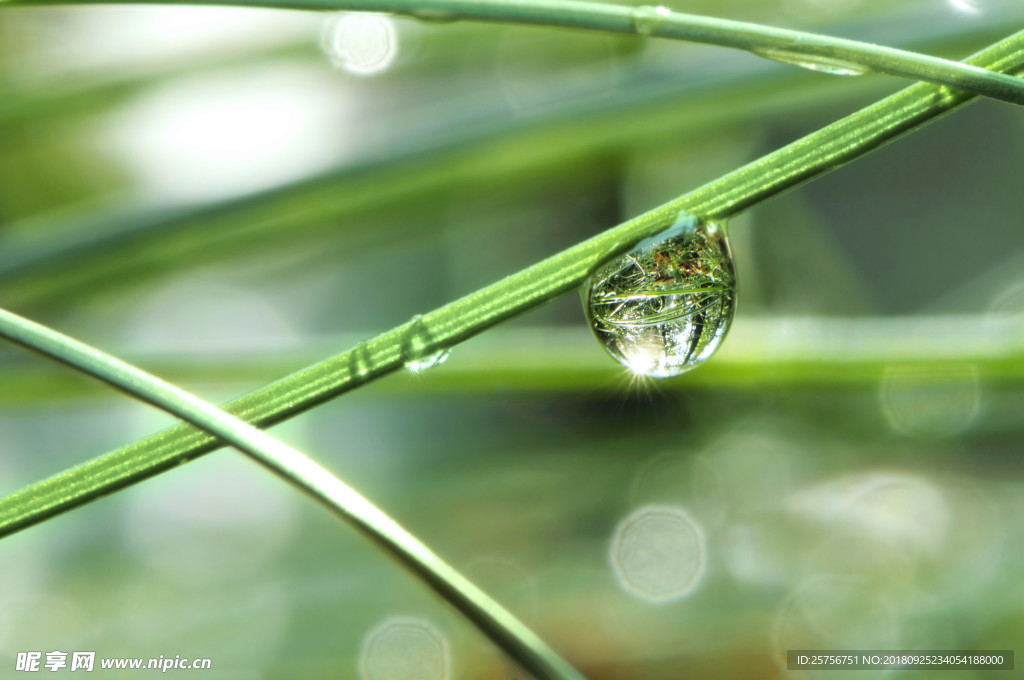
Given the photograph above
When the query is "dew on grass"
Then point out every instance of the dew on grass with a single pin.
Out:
(657, 553)
(361, 43)
(664, 307)
(429, 361)
(404, 649)
(814, 62)
(647, 18)
(418, 348)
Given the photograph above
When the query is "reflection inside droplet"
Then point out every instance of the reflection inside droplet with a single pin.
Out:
(657, 553)
(665, 307)
(814, 62)
(361, 43)
(404, 649)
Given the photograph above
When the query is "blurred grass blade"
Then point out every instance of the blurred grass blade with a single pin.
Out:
(520, 643)
(800, 352)
(106, 250)
(469, 145)
(786, 168)
(817, 52)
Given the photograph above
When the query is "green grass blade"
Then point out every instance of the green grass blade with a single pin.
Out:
(784, 169)
(519, 642)
(819, 52)
(801, 352)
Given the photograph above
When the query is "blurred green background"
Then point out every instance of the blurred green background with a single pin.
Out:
(216, 195)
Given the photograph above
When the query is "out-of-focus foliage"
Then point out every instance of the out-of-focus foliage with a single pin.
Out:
(205, 188)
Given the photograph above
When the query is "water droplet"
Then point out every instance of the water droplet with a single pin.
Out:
(665, 307)
(814, 62)
(658, 553)
(647, 18)
(361, 43)
(359, 361)
(429, 361)
(419, 355)
(404, 649)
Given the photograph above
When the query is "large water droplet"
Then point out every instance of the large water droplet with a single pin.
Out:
(665, 307)
(814, 62)
(647, 18)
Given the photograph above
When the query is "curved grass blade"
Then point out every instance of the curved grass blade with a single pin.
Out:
(514, 638)
(799, 162)
(818, 52)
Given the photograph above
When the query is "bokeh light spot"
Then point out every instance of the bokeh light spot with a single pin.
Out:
(657, 553)
(404, 649)
(363, 44)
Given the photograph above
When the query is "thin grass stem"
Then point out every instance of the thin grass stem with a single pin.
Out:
(493, 620)
(817, 52)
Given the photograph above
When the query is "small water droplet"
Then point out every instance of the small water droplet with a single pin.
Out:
(429, 361)
(647, 18)
(665, 307)
(814, 62)
(360, 361)
(419, 354)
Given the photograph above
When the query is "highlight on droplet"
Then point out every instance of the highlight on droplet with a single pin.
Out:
(361, 43)
(423, 363)
(403, 648)
(658, 554)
